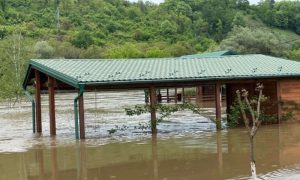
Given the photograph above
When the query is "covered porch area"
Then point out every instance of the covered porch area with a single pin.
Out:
(218, 74)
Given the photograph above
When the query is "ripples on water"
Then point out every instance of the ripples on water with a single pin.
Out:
(186, 147)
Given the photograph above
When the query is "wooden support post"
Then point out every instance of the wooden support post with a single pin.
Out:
(146, 96)
(176, 95)
(168, 95)
(38, 108)
(81, 117)
(279, 108)
(218, 101)
(54, 163)
(182, 94)
(51, 106)
(159, 98)
(229, 100)
(153, 112)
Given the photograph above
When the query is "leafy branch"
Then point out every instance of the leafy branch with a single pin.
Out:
(163, 109)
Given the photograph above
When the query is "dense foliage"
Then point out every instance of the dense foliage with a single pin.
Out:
(121, 29)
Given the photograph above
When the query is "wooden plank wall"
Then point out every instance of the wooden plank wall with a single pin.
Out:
(290, 96)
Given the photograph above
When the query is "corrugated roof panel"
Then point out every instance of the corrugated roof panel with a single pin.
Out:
(135, 70)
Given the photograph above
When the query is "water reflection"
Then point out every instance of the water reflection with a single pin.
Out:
(211, 155)
(220, 153)
(54, 163)
(154, 156)
(81, 161)
(40, 162)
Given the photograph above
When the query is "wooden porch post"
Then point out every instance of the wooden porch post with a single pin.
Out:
(198, 94)
(176, 96)
(228, 98)
(218, 101)
(81, 117)
(182, 96)
(38, 112)
(51, 106)
(168, 98)
(279, 108)
(152, 106)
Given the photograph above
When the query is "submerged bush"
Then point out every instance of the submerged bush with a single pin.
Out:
(234, 117)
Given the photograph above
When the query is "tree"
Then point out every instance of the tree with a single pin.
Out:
(168, 28)
(253, 41)
(283, 14)
(219, 15)
(180, 48)
(92, 52)
(43, 49)
(239, 20)
(280, 19)
(272, 3)
(141, 35)
(67, 6)
(14, 57)
(127, 50)
(177, 7)
(67, 50)
(3, 5)
(134, 13)
(200, 26)
(156, 52)
(206, 44)
(242, 4)
(83, 39)
(294, 54)
(253, 124)
(297, 23)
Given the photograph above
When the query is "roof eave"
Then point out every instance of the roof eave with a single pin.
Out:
(25, 81)
(48, 71)
(188, 80)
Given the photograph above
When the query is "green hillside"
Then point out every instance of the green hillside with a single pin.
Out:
(120, 29)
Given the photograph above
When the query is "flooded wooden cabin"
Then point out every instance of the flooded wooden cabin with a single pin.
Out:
(223, 75)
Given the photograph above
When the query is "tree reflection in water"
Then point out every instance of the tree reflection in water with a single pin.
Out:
(209, 155)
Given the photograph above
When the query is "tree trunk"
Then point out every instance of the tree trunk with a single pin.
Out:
(252, 163)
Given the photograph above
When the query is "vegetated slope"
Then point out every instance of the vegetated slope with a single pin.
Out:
(120, 29)
(256, 37)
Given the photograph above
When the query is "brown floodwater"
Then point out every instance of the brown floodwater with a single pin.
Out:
(186, 147)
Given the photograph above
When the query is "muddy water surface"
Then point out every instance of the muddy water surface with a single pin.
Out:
(185, 148)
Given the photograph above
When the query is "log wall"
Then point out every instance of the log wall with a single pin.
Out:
(290, 97)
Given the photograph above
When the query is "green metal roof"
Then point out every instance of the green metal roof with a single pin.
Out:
(210, 54)
(130, 71)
